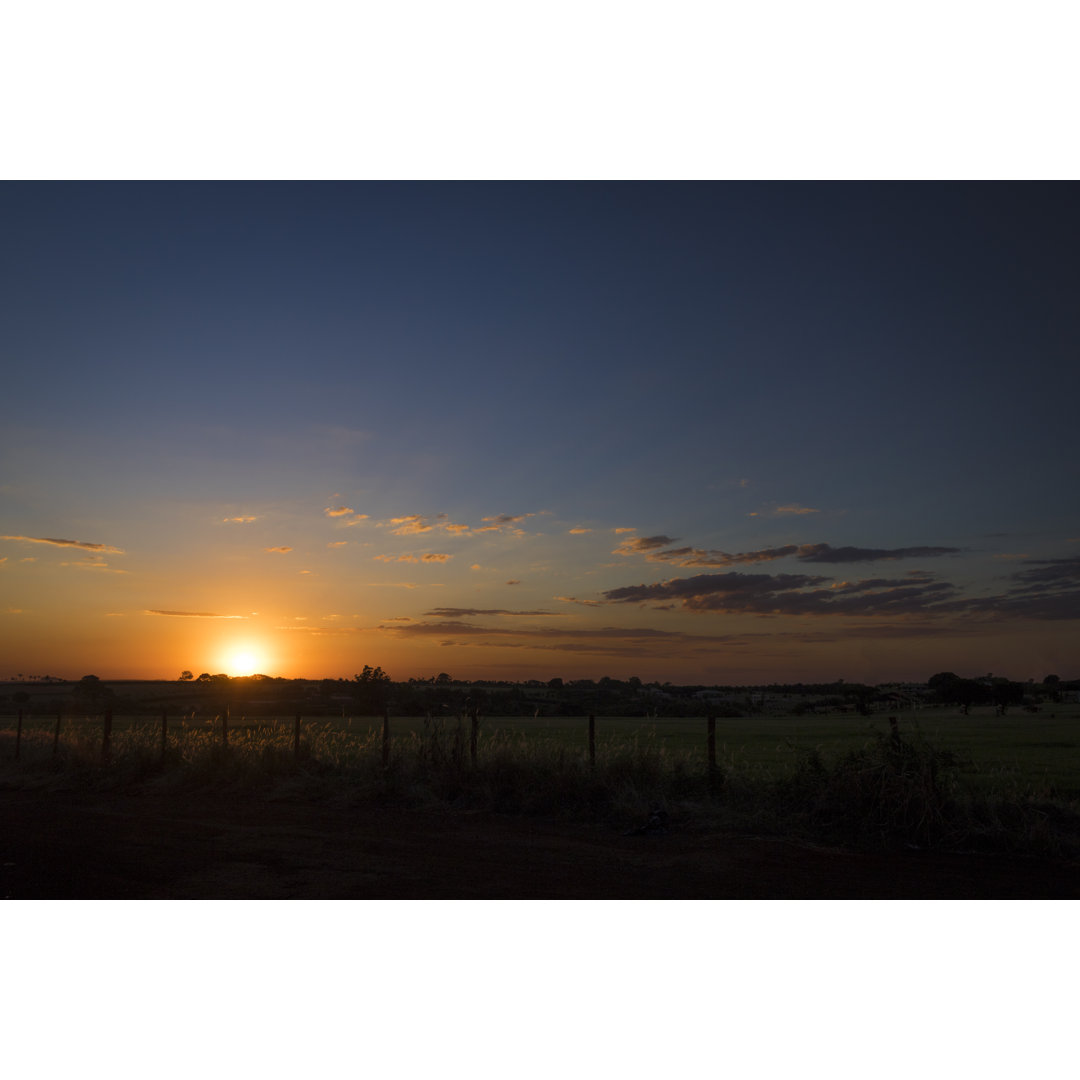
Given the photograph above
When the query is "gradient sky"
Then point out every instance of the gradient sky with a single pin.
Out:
(718, 433)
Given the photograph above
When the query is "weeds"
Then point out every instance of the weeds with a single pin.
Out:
(891, 792)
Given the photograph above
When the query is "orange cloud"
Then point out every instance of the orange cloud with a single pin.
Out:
(435, 557)
(579, 532)
(92, 563)
(410, 525)
(339, 511)
(283, 550)
(504, 521)
(637, 545)
(193, 614)
(237, 520)
(103, 548)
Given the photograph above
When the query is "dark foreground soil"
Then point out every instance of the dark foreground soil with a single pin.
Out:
(73, 845)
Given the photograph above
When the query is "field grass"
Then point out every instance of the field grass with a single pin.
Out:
(942, 780)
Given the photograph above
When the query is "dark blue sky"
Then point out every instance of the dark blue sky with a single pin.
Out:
(732, 366)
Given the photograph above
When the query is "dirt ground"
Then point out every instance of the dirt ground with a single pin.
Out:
(70, 845)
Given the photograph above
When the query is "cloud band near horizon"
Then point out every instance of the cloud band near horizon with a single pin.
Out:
(106, 549)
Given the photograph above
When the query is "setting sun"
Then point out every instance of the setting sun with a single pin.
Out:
(243, 660)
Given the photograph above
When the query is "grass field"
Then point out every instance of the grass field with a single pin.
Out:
(1039, 752)
(977, 782)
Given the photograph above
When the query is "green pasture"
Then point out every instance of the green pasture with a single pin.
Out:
(1039, 751)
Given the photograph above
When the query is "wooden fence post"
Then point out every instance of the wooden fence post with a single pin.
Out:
(592, 741)
(711, 744)
(56, 738)
(472, 735)
(106, 740)
(18, 736)
(386, 738)
(296, 739)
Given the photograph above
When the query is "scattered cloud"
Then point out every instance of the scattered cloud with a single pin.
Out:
(638, 545)
(688, 556)
(339, 511)
(606, 640)
(620, 531)
(790, 594)
(283, 550)
(823, 553)
(337, 543)
(92, 562)
(514, 581)
(434, 557)
(192, 614)
(579, 532)
(104, 549)
(1051, 573)
(468, 613)
(415, 524)
(1046, 589)
(784, 511)
(650, 546)
(1050, 589)
(411, 525)
(575, 600)
(504, 523)
(501, 520)
(238, 520)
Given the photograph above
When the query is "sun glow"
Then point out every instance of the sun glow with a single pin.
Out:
(244, 660)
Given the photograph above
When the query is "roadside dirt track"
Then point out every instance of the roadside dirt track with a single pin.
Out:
(66, 845)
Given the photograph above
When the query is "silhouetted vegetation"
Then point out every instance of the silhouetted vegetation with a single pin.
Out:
(372, 690)
(891, 790)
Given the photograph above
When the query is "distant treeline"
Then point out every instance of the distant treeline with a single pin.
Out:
(372, 691)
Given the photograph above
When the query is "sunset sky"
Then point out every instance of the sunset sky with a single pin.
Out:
(697, 432)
